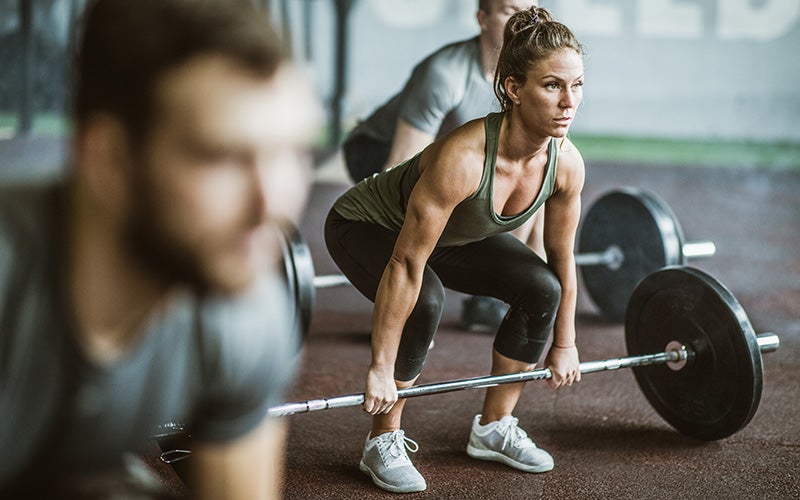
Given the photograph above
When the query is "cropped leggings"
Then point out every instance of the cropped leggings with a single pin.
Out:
(499, 266)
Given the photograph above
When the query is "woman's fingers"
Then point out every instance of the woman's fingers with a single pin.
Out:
(378, 405)
(559, 379)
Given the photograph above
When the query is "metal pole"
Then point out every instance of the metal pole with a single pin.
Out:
(340, 75)
(767, 342)
(25, 110)
(308, 25)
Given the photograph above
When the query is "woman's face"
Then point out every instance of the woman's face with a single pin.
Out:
(549, 98)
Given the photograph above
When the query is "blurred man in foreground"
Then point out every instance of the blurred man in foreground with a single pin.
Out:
(143, 289)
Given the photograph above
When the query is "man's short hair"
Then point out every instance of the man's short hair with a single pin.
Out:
(128, 45)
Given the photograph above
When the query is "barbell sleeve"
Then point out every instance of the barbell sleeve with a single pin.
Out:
(330, 280)
(699, 249)
(767, 342)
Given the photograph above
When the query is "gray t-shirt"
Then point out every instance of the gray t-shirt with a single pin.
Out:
(215, 363)
(445, 90)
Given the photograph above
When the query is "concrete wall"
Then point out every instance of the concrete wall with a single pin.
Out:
(725, 69)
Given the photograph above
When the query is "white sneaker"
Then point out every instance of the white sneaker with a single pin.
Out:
(503, 441)
(386, 461)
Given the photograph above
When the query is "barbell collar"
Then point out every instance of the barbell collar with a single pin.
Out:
(767, 342)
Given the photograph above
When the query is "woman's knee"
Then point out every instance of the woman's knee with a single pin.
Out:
(542, 295)
(430, 302)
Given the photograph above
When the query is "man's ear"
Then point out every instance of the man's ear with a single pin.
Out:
(103, 160)
(512, 87)
(481, 16)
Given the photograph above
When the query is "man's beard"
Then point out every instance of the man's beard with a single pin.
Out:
(152, 247)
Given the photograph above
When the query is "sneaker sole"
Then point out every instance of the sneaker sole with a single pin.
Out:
(499, 457)
(388, 487)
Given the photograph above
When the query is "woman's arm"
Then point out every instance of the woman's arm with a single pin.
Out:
(561, 225)
(430, 205)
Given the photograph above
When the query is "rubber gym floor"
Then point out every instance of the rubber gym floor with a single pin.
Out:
(606, 439)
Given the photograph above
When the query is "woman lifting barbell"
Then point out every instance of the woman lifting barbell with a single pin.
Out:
(441, 220)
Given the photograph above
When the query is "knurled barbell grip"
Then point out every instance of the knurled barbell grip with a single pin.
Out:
(767, 342)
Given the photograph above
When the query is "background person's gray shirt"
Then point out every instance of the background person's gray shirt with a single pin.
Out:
(215, 363)
(445, 90)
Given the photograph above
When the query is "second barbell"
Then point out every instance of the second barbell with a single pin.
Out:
(625, 235)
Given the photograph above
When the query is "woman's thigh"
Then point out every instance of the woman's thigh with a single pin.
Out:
(500, 266)
(360, 249)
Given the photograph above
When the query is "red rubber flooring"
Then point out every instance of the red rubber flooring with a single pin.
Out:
(606, 439)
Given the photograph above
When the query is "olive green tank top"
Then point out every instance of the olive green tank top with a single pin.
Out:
(382, 198)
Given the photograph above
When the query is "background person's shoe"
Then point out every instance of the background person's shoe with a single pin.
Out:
(482, 314)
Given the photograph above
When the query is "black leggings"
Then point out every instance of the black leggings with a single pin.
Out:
(500, 266)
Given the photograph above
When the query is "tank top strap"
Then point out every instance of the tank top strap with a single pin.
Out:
(492, 124)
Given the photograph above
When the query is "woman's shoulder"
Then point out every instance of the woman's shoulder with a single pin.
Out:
(462, 143)
(457, 158)
(568, 153)
(570, 163)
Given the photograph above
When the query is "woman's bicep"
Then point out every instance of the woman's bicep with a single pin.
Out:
(430, 206)
(426, 217)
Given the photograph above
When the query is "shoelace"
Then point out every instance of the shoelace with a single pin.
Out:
(397, 446)
(513, 435)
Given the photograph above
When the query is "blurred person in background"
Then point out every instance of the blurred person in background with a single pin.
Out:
(445, 90)
(143, 288)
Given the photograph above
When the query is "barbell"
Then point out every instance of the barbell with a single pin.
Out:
(626, 234)
(691, 346)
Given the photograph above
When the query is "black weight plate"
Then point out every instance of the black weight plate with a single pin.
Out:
(717, 392)
(644, 228)
(299, 275)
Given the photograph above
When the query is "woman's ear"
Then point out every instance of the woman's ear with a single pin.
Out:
(512, 87)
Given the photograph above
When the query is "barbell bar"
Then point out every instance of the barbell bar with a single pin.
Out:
(674, 356)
